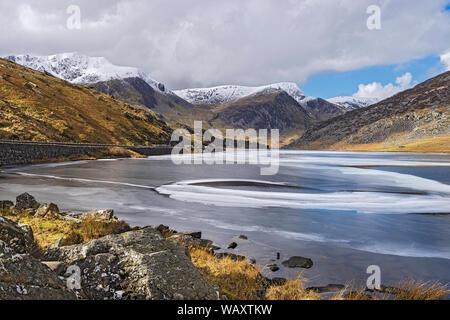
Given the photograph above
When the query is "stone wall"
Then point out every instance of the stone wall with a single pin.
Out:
(14, 153)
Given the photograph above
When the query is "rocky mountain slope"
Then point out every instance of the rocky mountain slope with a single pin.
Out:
(321, 109)
(417, 119)
(40, 107)
(168, 106)
(317, 108)
(270, 109)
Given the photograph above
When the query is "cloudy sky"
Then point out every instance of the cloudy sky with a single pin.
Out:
(323, 45)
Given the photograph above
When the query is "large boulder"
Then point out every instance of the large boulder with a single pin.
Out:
(48, 210)
(134, 265)
(26, 201)
(22, 277)
(19, 238)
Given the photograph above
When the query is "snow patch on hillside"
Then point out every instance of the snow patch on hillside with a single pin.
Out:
(352, 103)
(82, 69)
(230, 93)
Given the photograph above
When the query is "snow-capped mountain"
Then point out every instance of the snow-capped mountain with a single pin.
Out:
(82, 69)
(230, 93)
(352, 103)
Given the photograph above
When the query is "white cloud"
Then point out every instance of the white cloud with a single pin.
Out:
(445, 59)
(251, 42)
(377, 91)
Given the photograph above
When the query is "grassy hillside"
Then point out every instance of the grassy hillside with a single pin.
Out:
(39, 107)
(416, 120)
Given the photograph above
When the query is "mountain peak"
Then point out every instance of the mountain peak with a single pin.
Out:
(230, 93)
(352, 103)
(82, 69)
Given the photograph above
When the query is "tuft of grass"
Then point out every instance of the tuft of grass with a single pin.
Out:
(419, 290)
(347, 294)
(238, 280)
(94, 229)
(292, 290)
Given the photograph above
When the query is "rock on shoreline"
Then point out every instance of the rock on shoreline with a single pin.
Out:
(23, 277)
(138, 264)
(134, 265)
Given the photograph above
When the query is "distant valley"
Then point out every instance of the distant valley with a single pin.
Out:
(409, 121)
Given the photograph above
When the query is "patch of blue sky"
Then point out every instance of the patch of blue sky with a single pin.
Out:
(331, 84)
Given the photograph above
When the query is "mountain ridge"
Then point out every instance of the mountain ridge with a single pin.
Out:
(230, 93)
(36, 106)
(417, 119)
(82, 69)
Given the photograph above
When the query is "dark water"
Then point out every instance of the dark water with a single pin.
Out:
(345, 211)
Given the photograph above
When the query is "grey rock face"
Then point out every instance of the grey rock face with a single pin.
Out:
(26, 201)
(135, 265)
(22, 277)
(19, 239)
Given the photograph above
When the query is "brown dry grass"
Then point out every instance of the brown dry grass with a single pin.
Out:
(90, 228)
(419, 290)
(239, 280)
(405, 290)
(292, 290)
(349, 293)
(440, 144)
